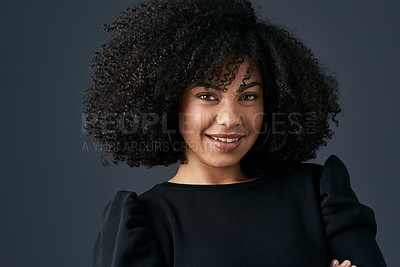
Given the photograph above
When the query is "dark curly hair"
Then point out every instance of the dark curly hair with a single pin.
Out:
(159, 48)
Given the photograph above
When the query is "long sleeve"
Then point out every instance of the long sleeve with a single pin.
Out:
(350, 226)
(125, 238)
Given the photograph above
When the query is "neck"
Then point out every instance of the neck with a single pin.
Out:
(196, 172)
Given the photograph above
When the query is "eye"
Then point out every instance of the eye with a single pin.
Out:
(249, 97)
(207, 97)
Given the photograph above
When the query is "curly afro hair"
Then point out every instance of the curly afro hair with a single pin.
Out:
(159, 48)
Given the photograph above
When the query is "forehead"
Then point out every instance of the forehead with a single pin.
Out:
(232, 70)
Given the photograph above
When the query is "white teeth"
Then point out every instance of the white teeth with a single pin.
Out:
(226, 140)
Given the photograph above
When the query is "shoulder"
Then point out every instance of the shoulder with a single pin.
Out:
(121, 208)
(124, 231)
(123, 196)
(339, 204)
(335, 178)
(131, 203)
(124, 199)
(331, 177)
(333, 165)
(121, 200)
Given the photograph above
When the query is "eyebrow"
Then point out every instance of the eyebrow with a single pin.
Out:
(241, 88)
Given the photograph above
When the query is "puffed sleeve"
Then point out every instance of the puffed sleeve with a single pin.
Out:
(350, 226)
(125, 238)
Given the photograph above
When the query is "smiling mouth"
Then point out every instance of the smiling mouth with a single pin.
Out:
(225, 138)
(225, 142)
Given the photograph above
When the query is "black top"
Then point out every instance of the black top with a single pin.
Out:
(307, 217)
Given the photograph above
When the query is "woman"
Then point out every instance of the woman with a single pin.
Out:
(240, 104)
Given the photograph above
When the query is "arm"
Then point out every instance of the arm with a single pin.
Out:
(350, 227)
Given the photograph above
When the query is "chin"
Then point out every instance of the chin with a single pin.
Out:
(223, 163)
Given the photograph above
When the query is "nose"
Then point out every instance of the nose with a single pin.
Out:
(229, 116)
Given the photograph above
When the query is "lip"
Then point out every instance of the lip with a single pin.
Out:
(225, 146)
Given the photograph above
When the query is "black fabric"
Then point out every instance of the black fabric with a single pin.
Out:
(304, 218)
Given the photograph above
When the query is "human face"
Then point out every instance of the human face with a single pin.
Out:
(207, 114)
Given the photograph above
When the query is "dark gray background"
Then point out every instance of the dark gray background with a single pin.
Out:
(52, 193)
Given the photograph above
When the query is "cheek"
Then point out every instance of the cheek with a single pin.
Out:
(254, 120)
(192, 121)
